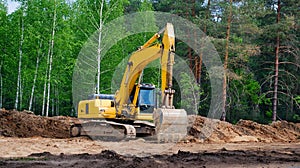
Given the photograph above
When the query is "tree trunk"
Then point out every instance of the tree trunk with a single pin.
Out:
(276, 66)
(99, 46)
(21, 94)
(45, 81)
(34, 81)
(53, 111)
(51, 58)
(44, 92)
(35, 76)
(57, 101)
(20, 61)
(187, 15)
(33, 102)
(200, 60)
(223, 117)
(1, 87)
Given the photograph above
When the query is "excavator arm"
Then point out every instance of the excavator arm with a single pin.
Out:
(167, 61)
(138, 61)
(123, 113)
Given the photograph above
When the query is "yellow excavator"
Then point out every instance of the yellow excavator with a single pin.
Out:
(133, 110)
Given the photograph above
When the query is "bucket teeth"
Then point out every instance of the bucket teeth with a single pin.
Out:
(163, 137)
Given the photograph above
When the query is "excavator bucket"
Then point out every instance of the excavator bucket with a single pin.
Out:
(171, 124)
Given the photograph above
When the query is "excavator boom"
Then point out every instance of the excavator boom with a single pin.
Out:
(124, 112)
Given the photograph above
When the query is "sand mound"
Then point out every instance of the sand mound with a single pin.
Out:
(201, 129)
(26, 124)
(211, 130)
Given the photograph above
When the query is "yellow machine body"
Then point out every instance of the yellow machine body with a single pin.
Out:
(133, 108)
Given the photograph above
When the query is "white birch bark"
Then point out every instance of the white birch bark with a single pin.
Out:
(45, 82)
(99, 46)
(34, 81)
(44, 92)
(51, 58)
(21, 93)
(35, 76)
(20, 61)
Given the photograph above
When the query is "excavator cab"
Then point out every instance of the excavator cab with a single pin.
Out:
(146, 98)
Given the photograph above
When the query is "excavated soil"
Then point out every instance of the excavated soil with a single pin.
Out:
(27, 140)
(201, 129)
(224, 158)
(215, 131)
(26, 124)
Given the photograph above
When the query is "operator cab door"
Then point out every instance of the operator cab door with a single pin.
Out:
(147, 98)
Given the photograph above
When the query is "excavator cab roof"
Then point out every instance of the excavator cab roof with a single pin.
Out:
(147, 86)
(101, 96)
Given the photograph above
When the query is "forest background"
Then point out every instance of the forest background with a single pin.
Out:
(258, 42)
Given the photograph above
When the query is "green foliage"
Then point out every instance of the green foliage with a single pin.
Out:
(190, 92)
(251, 52)
(296, 117)
(297, 99)
(269, 113)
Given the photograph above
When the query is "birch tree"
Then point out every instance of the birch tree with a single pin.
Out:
(20, 59)
(99, 46)
(50, 54)
(115, 8)
(44, 90)
(98, 14)
(35, 76)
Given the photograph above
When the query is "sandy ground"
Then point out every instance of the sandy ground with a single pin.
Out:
(27, 140)
(31, 152)
(22, 147)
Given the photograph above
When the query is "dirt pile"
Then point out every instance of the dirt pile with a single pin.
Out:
(201, 129)
(26, 124)
(210, 130)
(108, 158)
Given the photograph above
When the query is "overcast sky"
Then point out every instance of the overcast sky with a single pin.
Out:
(12, 6)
